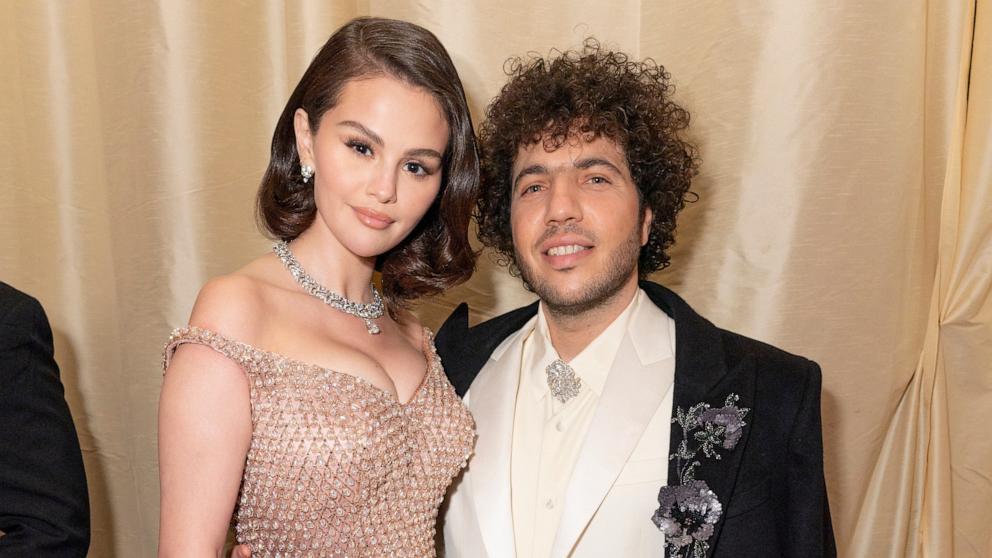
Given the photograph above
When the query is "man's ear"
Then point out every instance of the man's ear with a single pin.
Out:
(646, 225)
(304, 138)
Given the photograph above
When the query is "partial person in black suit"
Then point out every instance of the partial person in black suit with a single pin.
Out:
(44, 508)
(612, 419)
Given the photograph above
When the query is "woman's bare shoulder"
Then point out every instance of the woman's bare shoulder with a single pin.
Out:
(235, 304)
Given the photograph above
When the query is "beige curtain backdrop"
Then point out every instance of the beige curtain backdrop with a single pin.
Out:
(845, 210)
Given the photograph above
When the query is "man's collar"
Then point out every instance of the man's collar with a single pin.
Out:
(594, 362)
(699, 360)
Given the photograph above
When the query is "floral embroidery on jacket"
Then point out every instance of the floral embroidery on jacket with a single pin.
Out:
(689, 510)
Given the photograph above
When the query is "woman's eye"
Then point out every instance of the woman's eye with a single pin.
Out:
(360, 148)
(416, 168)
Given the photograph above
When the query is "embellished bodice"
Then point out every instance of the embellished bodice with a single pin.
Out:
(337, 466)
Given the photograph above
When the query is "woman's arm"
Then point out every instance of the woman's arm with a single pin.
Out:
(204, 430)
(204, 433)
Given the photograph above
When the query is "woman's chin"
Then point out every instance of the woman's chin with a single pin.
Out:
(371, 251)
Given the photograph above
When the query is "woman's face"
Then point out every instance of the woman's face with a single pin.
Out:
(377, 160)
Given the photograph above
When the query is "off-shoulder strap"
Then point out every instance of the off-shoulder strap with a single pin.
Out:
(239, 352)
(428, 347)
(427, 339)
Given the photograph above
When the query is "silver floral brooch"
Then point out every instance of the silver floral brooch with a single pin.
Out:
(689, 510)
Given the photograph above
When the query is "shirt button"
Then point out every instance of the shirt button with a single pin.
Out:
(559, 426)
(550, 503)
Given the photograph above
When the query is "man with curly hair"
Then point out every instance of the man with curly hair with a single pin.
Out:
(612, 419)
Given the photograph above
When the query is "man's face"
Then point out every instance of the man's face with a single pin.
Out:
(576, 223)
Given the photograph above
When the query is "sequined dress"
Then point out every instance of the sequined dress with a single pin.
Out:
(337, 466)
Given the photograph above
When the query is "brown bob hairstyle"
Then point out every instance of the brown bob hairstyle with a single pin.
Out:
(436, 255)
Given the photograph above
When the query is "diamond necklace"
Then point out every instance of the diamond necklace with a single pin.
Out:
(367, 312)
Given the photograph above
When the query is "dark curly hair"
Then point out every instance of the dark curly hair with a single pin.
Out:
(593, 91)
(437, 254)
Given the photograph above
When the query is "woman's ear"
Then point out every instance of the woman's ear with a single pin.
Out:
(304, 138)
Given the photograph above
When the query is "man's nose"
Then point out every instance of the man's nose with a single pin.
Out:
(563, 204)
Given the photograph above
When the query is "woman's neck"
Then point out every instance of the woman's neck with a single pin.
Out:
(323, 257)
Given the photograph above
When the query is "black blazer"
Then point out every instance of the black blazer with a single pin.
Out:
(44, 509)
(771, 484)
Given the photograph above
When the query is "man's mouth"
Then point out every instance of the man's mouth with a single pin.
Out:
(565, 250)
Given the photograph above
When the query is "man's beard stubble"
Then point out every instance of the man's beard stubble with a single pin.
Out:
(600, 291)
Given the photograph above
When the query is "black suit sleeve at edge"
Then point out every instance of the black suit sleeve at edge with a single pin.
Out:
(809, 531)
(44, 508)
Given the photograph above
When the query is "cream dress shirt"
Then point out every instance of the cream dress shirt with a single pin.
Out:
(547, 434)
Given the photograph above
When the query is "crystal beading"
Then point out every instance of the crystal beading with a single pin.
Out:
(367, 312)
(338, 467)
(562, 380)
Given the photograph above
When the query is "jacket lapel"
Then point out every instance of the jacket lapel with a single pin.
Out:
(721, 475)
(639, 379)
(492, 400)
(701, 376)
(465, 350)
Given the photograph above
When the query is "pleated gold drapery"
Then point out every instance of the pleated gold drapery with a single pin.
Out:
(845, 211)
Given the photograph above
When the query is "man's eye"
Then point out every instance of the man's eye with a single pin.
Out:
(599, 180)
(531, 189)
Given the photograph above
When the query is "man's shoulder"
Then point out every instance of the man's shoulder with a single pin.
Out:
(20, 315)
(701, 334)
(464, 349)
(15, 302)
(26, 344)
(784, 375)
(738, 347)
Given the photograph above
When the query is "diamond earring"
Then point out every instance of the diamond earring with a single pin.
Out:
(306, 171)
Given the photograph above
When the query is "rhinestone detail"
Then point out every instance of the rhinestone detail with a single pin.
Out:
(367, 312)
(562, 380)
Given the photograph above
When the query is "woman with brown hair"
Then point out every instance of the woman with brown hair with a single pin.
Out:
(300, 398)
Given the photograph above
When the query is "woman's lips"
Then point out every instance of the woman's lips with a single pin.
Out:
(372, 218)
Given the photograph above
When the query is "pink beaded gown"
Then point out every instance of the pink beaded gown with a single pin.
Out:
(337, 466)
